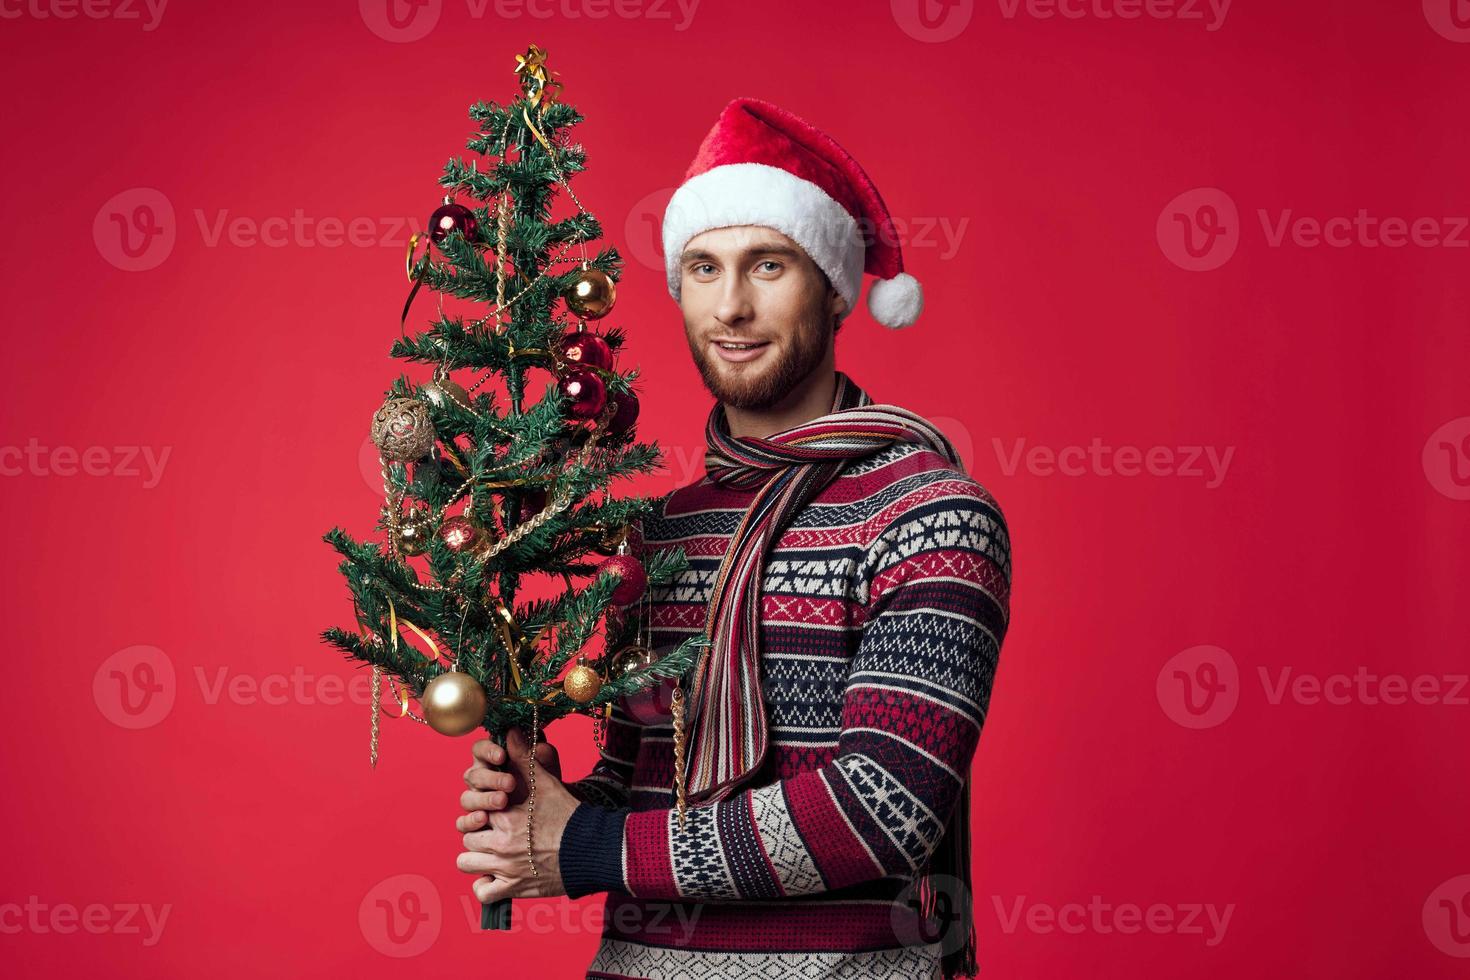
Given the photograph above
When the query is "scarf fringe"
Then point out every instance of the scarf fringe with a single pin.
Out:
(950, 861)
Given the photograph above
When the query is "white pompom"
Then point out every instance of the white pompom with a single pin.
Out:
(896, 302)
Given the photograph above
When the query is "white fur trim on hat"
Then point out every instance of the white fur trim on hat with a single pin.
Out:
(759, 194)
(896, 302)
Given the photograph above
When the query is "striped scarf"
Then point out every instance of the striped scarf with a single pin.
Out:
(727, 714)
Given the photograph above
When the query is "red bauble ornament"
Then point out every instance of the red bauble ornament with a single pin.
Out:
(634, 580)
(461, 536)
(585, 393)
(626, 414)
(533, 502)
(586, 350)
(450, 218)
(652, 705)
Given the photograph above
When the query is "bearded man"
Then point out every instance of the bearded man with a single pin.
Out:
(855, 586)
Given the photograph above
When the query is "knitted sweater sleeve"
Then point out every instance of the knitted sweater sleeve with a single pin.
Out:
(937, 575)
(608, 784)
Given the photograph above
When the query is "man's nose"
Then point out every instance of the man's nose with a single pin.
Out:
(735, 306)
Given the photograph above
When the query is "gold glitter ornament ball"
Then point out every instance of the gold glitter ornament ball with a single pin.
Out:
(592, 295)
(402, 430)
(441, 391)
(581, 683)
(454, 703)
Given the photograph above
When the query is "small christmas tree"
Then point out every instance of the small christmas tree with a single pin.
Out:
(497, 497)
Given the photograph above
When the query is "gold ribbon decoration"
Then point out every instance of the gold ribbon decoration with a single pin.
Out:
(393, 622)
(414, 269)
(518, 646)
(536, 83)
(535, 79)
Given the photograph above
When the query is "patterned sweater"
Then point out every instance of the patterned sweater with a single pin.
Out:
(884, 607)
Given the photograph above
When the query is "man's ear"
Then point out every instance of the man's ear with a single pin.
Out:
(837, 306)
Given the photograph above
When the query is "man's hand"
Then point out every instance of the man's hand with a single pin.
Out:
(494, 824)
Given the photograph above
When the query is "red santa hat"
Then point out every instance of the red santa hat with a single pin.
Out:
(761, 165)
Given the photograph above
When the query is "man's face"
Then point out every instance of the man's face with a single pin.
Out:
(758, 313)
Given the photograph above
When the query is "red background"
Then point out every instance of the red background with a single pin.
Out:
(1334, 544)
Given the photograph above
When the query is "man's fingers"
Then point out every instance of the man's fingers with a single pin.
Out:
(474, 820)
(481, 863)
(491, 842)
(472, 799)
(487, 752)
(478, 777)
(488, 889)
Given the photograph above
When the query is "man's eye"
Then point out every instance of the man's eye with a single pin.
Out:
(699, 269)
(771, 262)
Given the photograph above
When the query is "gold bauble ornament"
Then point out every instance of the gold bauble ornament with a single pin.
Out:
(630, 659)
(414, 531)
(402, 430)
(454, 703)
(441, 392)
(611, 539)
(592, 295)
(581, 683)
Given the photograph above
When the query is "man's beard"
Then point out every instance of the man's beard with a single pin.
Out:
(765, 391)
